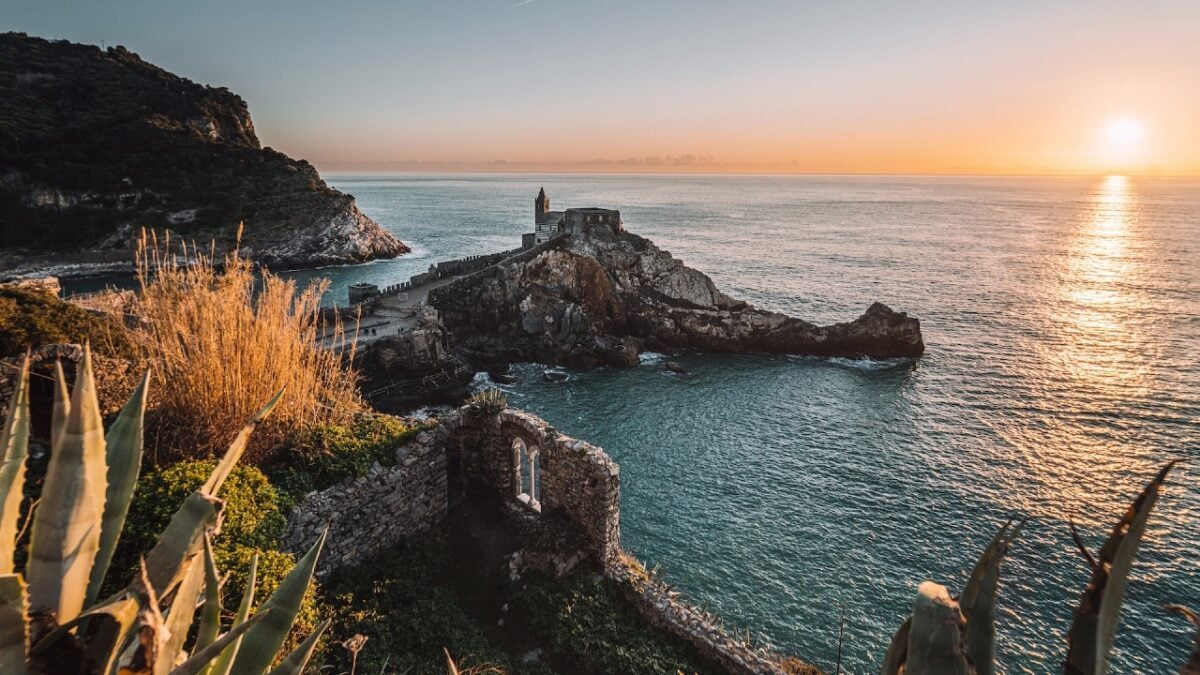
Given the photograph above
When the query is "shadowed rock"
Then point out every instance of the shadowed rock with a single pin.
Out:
(600, 297)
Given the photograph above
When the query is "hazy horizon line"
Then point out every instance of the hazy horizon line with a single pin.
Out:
(538, 169)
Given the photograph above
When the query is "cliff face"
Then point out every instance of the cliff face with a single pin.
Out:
(96, 144)
(602, 298)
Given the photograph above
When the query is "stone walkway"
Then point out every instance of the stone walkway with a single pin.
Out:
(393, 315)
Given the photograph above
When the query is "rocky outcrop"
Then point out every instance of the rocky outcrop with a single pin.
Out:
(95, 145)
(417, 365)
(601, 297)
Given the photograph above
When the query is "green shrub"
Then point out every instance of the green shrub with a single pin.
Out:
(327, 454)
(254, 522)
(252, 515)
(30, 318)
(586, 621)
(401, 601)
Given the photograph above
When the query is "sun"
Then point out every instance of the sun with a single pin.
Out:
(1124, 132)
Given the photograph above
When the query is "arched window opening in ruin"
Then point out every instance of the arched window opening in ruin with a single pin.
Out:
(526, 474)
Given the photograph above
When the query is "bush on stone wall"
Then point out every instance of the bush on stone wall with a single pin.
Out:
(585, 619)
(30, 318)
(327, 454)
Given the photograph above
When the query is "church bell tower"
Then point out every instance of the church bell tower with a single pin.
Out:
(540, 206)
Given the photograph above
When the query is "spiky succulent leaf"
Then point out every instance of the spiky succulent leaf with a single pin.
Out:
(223, 664)
(198, 661)
(897, 652)
(217, 478)
(1091, 637)
(210, 614)
(109, 627)
(14, 448)
(124, 457)
(182, 540)
(14, 632)
(62, 404)
(296, 661)
(66, 526)
(262, 643)
(978, 600)
(935, 637)
(180, 616)
(1192, 667)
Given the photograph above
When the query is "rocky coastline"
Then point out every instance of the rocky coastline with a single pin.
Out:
(597, 297)
(97, 144)
(602, 298)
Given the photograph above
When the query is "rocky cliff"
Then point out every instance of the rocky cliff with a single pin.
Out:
(96, 144)
(599, 297)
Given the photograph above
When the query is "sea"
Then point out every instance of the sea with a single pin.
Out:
(804, 499)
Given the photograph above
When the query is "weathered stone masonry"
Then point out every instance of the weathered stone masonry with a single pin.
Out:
(516, 459)
(372, 512)
(369, 513)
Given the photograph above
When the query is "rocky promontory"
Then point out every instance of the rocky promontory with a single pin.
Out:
(96, 144)
(601, 297)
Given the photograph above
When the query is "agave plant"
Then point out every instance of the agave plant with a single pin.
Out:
(488, 402)
(51, 619)
(957, 635)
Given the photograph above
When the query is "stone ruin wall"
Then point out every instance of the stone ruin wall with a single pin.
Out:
(368, 514)
(576, 477)
(371, 513)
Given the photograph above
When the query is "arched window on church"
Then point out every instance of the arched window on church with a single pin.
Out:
(526, 474)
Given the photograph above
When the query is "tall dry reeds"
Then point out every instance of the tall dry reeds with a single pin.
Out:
(222, 339)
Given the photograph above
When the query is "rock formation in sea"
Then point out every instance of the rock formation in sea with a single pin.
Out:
(96, 144)
(601, 297)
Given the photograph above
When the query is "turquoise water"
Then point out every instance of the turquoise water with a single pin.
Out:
(1062, 318)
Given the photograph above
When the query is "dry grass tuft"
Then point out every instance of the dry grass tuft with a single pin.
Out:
(223, 339)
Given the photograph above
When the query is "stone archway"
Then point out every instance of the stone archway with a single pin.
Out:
(526, 474)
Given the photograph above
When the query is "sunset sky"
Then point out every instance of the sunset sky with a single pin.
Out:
(745, 85)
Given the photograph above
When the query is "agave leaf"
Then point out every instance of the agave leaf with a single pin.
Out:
(14, 448)
(224, 663)
(124, 458)
(263, 642)
(935, 638)
(451, 669)
(978, 600)
(109, 626)
(1095, 624)
(66, 527)
(201, 658)
(180, 616)
(14, 632)
(62, 404)
(217, 478)
(897, 652)
(296, 661)
(1192, 667)
(210, 614)
(183, 540)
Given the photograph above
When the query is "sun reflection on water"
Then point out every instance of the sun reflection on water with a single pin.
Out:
(1091, 357)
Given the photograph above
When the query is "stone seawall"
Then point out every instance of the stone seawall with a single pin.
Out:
(368, 514)
(664, 608)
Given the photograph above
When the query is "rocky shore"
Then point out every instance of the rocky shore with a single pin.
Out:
(97, 144)
(599, 297)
